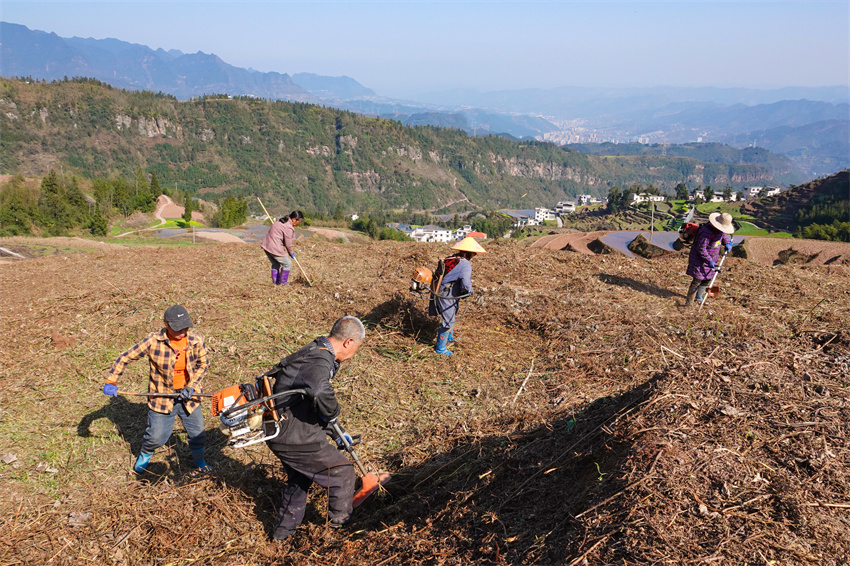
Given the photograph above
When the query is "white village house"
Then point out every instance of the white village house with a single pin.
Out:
(645, 197)
(543, 214)
(431, 233)
(564, 207)
(757, 192)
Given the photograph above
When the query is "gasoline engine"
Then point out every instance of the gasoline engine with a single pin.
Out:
(247, 412)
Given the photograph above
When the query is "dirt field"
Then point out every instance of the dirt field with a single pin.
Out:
(585, 418)
(576, 242)
(771, 251)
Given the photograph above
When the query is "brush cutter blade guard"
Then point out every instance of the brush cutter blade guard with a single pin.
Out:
(372, 482)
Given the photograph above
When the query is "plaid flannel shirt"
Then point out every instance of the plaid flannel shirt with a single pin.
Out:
(161, 355)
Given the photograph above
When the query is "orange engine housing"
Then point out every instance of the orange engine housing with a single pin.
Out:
(225, 398)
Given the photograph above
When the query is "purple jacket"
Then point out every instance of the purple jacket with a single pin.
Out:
(278, 240)
(706, 247)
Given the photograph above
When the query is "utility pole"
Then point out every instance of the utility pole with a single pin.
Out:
(652, 221)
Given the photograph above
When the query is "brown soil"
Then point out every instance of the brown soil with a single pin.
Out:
(585, 418)
(576, 241)
(773, 251)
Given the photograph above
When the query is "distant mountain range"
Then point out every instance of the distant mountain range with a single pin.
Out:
(809, 125)
(321, 158)
(46, 56)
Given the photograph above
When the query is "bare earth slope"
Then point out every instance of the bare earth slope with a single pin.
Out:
(584, 416)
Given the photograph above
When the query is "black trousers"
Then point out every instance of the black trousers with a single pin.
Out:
(329, 468)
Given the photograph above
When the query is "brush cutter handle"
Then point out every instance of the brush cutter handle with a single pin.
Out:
(347, 445)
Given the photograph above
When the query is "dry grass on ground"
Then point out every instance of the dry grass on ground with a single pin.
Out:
(585, 417)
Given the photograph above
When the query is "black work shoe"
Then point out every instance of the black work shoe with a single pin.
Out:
(281, 534)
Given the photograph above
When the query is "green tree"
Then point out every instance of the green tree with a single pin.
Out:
(18, 208)
(155, 188)
(98, 224)
(709, 193)
(615, 194)
(187, 209)
(53, 207)
(232, 212)
(682, 191)
(727, 193)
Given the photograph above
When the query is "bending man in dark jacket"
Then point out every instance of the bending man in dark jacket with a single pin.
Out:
(302, 446)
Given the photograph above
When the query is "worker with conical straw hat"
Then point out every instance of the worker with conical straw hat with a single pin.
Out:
(456, 282)
(705, 252)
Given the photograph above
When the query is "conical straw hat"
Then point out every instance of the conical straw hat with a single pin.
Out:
(469, 244)
(722, 222)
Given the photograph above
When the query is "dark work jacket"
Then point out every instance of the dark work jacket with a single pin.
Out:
(303, 428)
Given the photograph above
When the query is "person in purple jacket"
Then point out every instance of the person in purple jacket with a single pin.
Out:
(705, 253)
(278, 245)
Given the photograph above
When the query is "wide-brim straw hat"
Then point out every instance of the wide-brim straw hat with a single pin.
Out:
(469, 244)
(722, 222)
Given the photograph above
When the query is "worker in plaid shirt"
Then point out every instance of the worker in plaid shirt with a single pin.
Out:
(178, 360)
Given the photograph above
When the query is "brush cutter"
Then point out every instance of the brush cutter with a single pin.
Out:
(423, 280)
(371, 482)
(712, 290)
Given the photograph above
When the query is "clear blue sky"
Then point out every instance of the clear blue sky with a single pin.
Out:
(400, 47)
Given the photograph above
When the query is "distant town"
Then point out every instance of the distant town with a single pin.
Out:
(539, 216)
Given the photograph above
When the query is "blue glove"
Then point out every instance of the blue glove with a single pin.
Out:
(186, 393)
(340, 444)
(712, 264)
(728, 247)
(110, 389)
(292, 255)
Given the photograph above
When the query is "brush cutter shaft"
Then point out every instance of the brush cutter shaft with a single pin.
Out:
(248, 404)
(716, 271)
(348, 447)
(172, 395)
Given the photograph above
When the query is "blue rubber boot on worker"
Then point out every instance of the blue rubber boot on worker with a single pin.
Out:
(141, 465)
(451, 339)
(442, 340)
(274, 276)
(283, 277)
(198, 459)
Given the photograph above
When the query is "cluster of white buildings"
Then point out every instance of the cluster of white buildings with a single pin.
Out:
(433, 233)
(538, 216)
(757, 192)
(749, 193)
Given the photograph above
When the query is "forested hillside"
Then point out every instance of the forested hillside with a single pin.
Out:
(819, 209)
(310, 156)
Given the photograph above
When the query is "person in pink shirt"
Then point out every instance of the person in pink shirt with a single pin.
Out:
(278, 245)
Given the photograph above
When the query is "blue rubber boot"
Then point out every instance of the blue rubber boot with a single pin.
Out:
(274, 276)
(142, 462)
(451, 339)
(442, 339)
(283, 277)
(198, 459)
